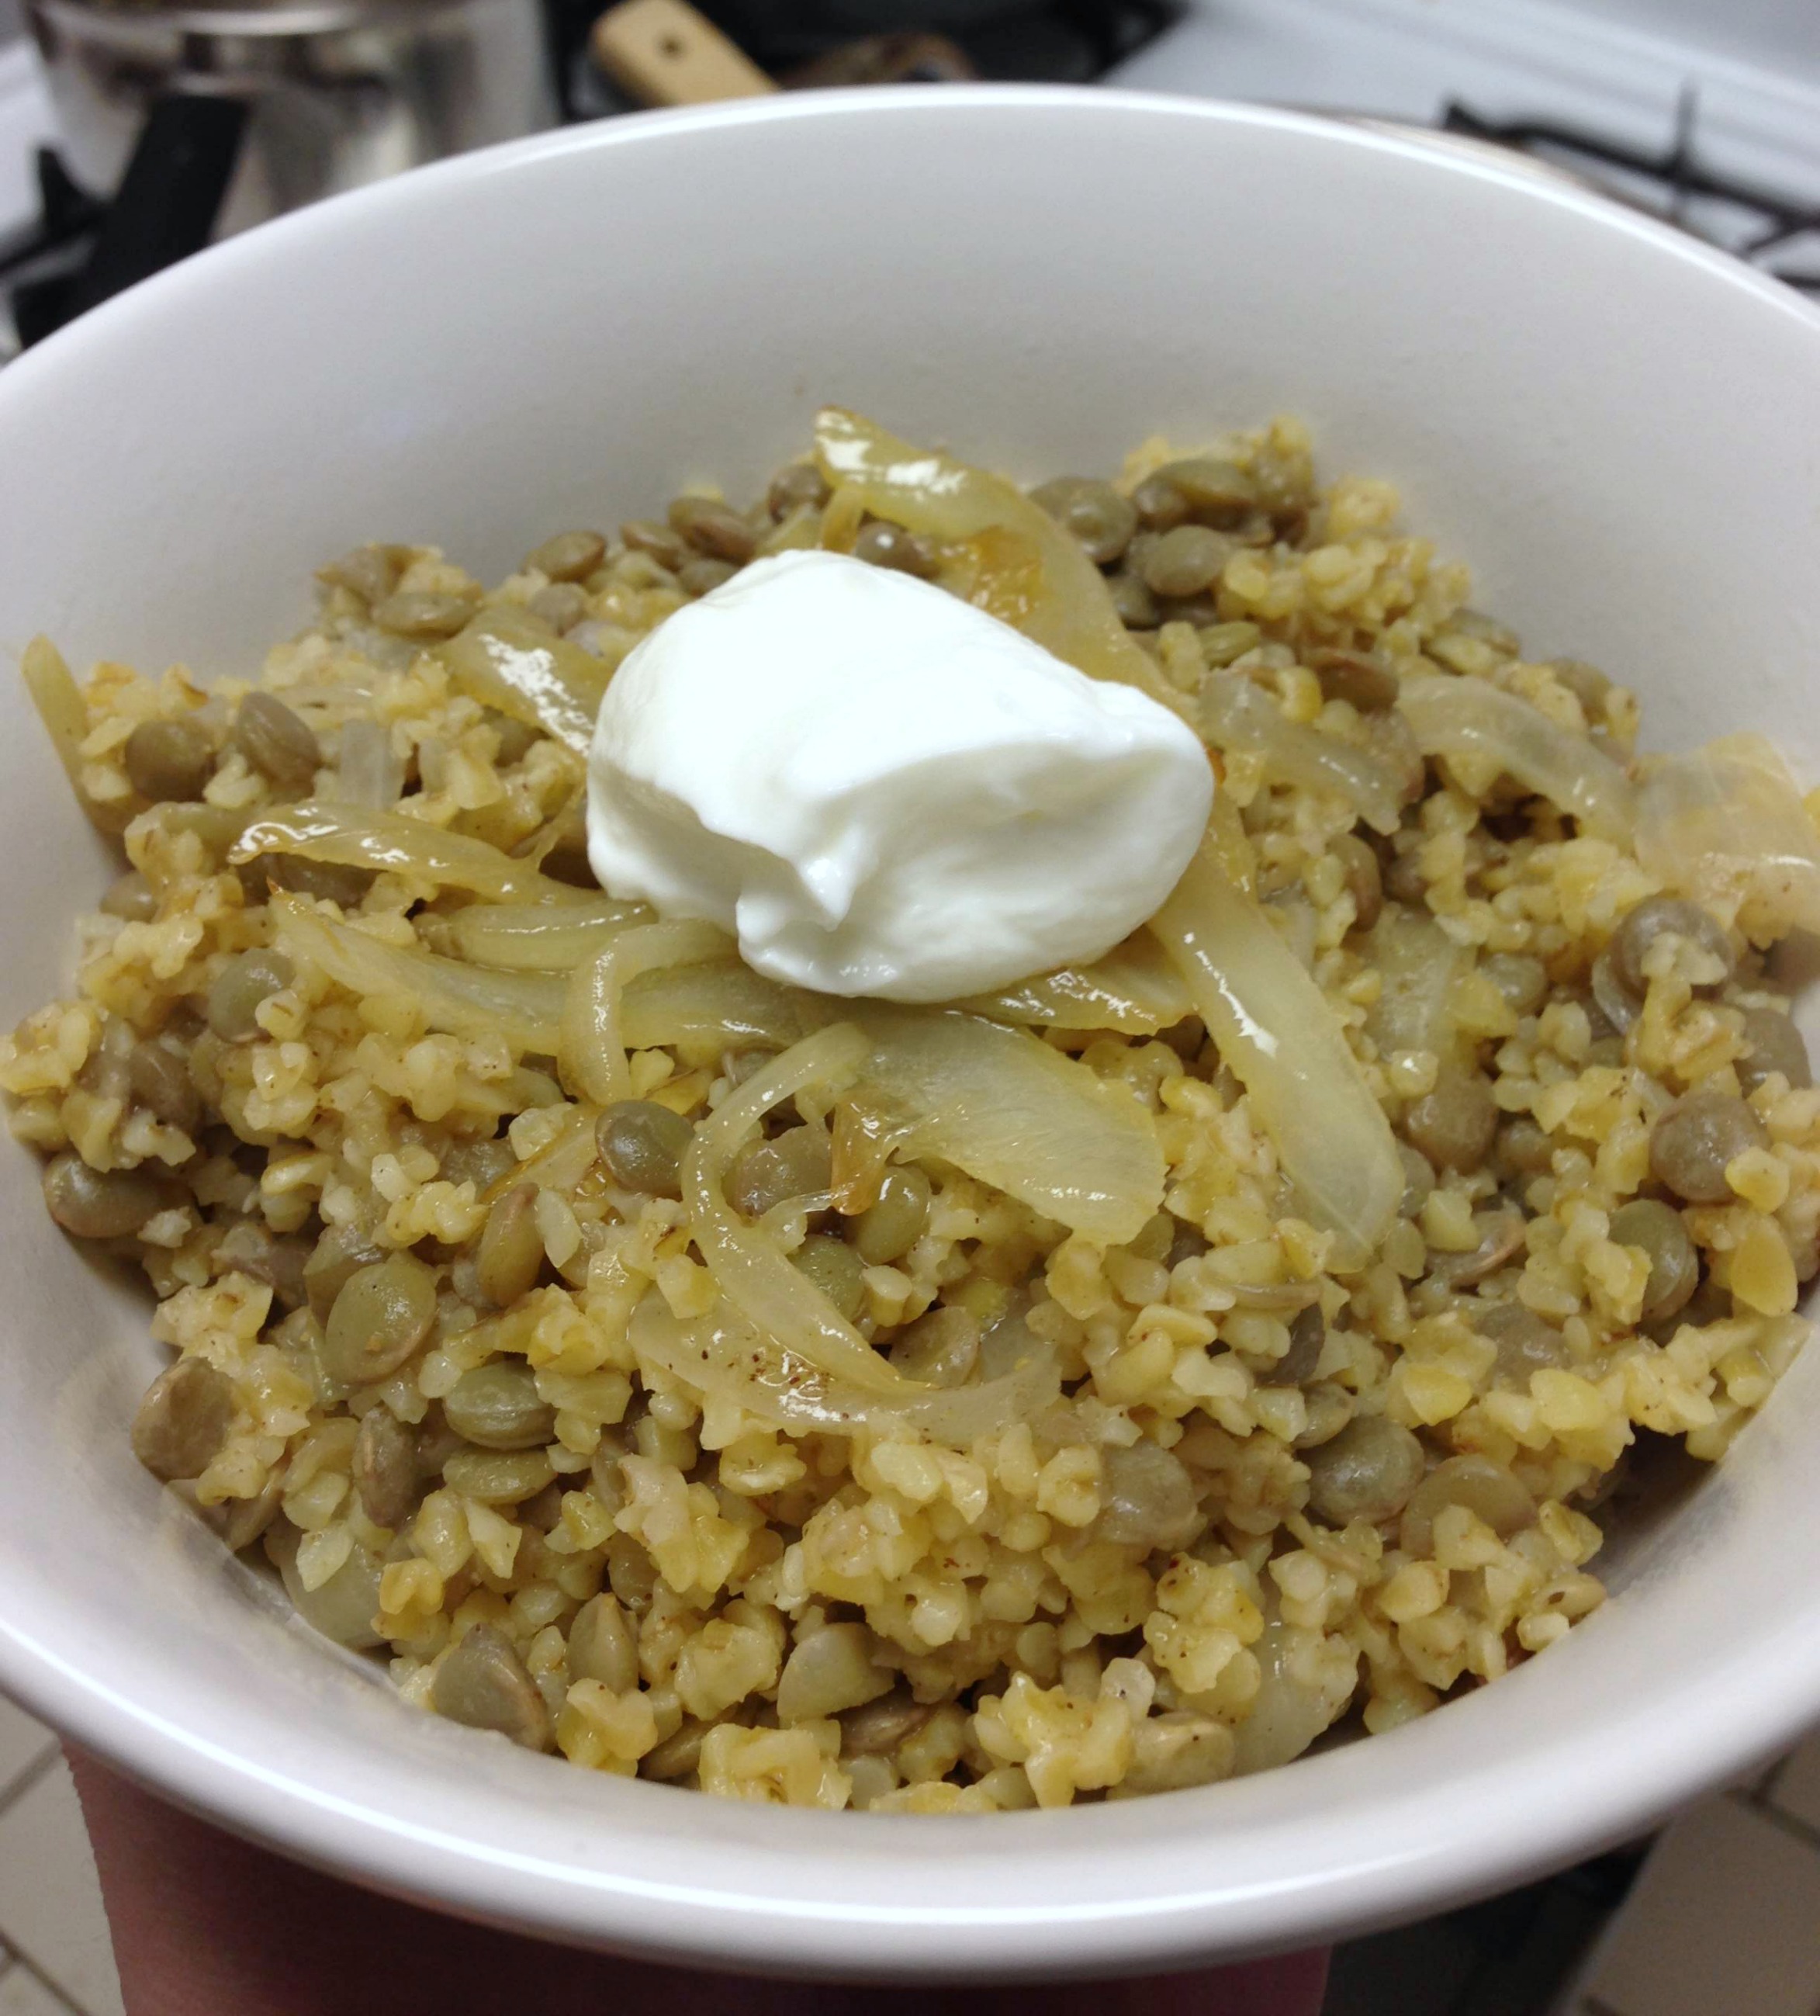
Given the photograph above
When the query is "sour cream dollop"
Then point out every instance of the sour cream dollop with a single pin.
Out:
(883, 791)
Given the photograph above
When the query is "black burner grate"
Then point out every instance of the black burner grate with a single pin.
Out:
(1776, 232)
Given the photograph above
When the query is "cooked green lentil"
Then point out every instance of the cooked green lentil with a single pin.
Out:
(891, 546)
(1098, 516)
(641, 1146)
(711, 529)
(836, 1269)
(1774, 1048)
(274, 740)
(568, 557)
(423, 615)
(886, 1231)
(799, 1162)
(169, 759)
(400, 1261)
(384, 1468)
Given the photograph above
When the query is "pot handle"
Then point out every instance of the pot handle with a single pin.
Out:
(169, 197)
(664, 52)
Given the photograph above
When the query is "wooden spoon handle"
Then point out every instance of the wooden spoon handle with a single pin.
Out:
(664, 52)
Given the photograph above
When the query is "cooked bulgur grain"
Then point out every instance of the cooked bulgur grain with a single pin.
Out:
(413, 1265)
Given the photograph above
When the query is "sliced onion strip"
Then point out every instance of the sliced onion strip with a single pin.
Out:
(752, 1273)
(393, 843)
(523, 1008)
(1007, 1109)
(369, 771)
(591, 1053)
(1235, 715)
(537, 938)
(1726, 826)
(1134, 990)
(1462, 717)
(510, 661)
(65, 714)
(722, 1356)
(1005, 554)
(1275, 1030)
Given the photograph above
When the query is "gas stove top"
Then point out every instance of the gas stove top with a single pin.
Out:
(1722, 138)
(1772, 228)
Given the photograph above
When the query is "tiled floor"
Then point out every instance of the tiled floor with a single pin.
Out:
(55, 1959)
(1723, 1919)
(1719, 1917)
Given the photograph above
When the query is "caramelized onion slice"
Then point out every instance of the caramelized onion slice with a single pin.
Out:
(723, 1357)
(1726, 826)
(352, 836)
(1006, 1108)
(1460, 717)
(1285, 1044)
(999, 549)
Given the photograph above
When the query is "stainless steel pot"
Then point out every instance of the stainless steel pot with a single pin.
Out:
(335, 92)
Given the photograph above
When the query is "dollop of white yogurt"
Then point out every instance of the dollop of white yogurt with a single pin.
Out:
(883, 791)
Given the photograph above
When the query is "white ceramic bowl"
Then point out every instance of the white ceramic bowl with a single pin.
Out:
(1619, 429)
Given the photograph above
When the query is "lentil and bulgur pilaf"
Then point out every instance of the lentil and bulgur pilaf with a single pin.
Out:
(1090, 1452)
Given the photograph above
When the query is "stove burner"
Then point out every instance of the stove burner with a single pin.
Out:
(1763, 226)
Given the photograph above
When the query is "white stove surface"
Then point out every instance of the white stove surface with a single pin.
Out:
(1757, 103)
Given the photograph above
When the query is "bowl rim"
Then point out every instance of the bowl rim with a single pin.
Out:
(725, 1918)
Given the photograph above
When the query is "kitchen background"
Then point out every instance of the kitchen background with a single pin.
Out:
(1709, 114)
(1706, 113)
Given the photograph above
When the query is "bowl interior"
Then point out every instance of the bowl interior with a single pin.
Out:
(1620, 432)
